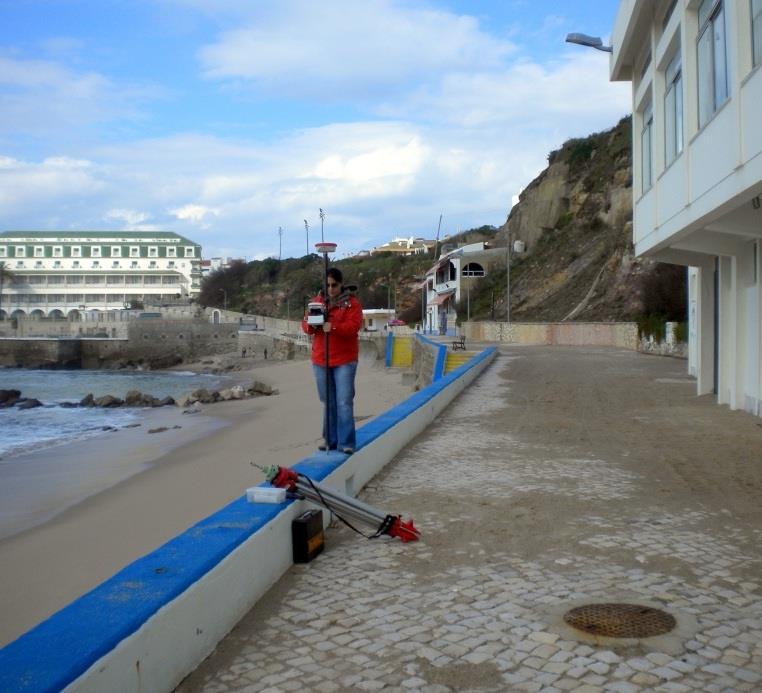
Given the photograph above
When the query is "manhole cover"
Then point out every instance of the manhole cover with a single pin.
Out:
(620, 620)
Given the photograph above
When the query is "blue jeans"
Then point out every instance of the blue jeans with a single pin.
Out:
(340, 409)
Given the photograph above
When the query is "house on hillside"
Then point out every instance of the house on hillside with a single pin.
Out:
(405, 246)
(449, 281)
(696, 73)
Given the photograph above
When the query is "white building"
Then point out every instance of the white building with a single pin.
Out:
(697, 176)
(448, 283)
(405, 246)
(63, 273)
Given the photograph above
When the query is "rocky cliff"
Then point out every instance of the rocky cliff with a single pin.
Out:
(575, 220)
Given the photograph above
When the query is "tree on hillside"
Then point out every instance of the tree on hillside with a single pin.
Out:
(6, 276)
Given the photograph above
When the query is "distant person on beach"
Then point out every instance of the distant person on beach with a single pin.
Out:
(265, 353)
(343, 320)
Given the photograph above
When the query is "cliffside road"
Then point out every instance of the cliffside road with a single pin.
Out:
(563, 477)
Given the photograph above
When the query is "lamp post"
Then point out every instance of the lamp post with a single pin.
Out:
(588, 41)
(280, 242)
(322, 219)
(307, 229)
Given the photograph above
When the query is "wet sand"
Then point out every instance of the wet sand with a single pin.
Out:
(152, 487)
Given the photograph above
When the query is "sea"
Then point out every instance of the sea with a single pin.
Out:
(23, 430)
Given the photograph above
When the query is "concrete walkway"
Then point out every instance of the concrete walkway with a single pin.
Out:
(563, 477)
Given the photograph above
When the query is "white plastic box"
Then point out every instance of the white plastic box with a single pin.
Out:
(265, 494)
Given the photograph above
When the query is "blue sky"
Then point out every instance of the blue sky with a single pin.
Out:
(224, 120)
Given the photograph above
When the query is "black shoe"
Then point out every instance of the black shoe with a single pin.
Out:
(347, 451)
(323, 447)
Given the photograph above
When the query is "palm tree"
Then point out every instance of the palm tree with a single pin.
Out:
(5, 275)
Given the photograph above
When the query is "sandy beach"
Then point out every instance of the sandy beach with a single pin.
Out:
(150, 488)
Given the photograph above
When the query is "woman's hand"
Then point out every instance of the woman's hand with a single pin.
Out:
(326, 327)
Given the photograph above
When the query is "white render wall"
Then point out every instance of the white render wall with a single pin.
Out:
(703, 208)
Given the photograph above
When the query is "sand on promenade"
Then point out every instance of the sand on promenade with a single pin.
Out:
(46, 567)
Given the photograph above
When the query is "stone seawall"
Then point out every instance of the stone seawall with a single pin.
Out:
(155, 344)
(162, 343)
(40, 353)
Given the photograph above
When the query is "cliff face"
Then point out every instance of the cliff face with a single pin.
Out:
(575, 219)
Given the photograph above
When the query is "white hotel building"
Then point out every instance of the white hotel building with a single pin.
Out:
(696, 73)
(63, 273)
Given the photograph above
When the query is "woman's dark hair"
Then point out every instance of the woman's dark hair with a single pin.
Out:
(335, 274)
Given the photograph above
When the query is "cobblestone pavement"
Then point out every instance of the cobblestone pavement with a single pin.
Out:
(562, 477)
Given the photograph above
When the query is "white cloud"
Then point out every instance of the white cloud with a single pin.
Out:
(25, 185)
(334, 50)
(43, 97)
(194, 213)
(131, 218)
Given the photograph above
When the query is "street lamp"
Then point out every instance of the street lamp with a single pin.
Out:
(589, 41)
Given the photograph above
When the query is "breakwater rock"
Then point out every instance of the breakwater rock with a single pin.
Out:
(204, 396)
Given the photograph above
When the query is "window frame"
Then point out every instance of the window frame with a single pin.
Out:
(647, 127)
(711, 94)
(674, 109)
(756, 32)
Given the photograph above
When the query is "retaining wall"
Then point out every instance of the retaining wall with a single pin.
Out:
(152, 623)
(614, 334)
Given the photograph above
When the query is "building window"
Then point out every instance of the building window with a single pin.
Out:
(3, 251)
(646, 148)
(171, 252)
(96, 264)
(171, 263)
(116, 251)
(189, 252)
(668, 14)
(57, 251)
(95, 251)
(473, 269)
(134, 264)
(673, 109)
(75, 264)
(19, 263)
(153, 251)
(152, 264)
(76, 251)
(712, 59)
(756, 30)
(20, 251)
(38, 264)
(134, 251)
(115, 264)
(57, 264)
(39, 251)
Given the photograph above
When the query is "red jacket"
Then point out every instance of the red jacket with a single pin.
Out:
(345, 316)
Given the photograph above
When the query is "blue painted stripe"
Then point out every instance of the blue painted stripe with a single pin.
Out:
(61, 648)
(389, 348)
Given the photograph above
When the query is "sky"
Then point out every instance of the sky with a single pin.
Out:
(232, 121)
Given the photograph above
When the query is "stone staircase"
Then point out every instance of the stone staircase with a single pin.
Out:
(402, 352)
(455, 359)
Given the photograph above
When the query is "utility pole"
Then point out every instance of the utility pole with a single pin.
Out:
(307, 229)
(436, 243)
(322, 219)
(280, 242)
(508, 277)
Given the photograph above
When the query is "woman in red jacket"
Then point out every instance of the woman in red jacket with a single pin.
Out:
(343, 320)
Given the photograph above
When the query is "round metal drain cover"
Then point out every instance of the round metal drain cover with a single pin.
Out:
(620, 620)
